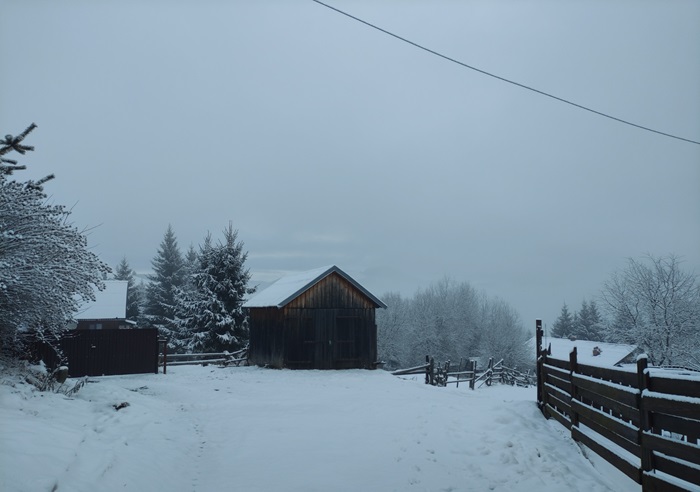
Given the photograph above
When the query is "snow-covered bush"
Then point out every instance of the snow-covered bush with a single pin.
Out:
(45, 267)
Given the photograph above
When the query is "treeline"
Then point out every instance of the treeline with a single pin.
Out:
(450, 321)
(195, 300)
(651, 303)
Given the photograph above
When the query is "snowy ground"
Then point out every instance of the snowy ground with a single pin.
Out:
(251, 429)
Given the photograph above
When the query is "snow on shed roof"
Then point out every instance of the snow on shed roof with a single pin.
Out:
(109, 303)
(610, 353)
(291, 286)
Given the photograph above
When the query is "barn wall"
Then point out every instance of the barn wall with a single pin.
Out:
(332, 292)
(329, 326)
(266, 344)
(329, 338)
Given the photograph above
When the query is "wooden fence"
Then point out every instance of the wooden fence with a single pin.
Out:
(646, 422)
(104, 352)
(222, 359)
(467, 372)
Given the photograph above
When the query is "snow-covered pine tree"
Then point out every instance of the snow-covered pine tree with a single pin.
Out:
(124, 272)
(160, 293)
(186, 306)
(212, 317)
(46, 270)
(587, 322)
(564, 325)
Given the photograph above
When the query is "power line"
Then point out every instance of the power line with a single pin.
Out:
(523, 86)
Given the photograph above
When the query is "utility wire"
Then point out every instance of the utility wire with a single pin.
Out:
(523, 86)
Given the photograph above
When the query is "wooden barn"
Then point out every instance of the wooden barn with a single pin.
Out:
(320, 319)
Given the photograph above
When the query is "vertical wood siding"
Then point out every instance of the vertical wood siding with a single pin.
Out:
(330, 326)
(107, 352)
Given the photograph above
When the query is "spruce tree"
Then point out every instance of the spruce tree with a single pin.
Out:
(164, 282)
(588, 322)
(564, 325)
(211, 318)
(124, 272)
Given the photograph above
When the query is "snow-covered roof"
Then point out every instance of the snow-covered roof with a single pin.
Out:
(610, 353)
(291, 286)
(109, 303)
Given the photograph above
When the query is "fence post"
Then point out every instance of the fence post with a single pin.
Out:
(472, 368)
(459, 369)
(573, 362)
(540, 363)
(644, 417)
(427, 369)
(490, 371)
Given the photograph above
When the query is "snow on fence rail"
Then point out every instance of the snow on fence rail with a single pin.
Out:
(223, 359)
(467, 372)
(644, 422)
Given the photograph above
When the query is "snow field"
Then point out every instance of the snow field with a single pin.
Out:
(251, 429)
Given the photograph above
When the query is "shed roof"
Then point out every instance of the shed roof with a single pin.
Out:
(610, 353)
(109, 303)
(289, 287)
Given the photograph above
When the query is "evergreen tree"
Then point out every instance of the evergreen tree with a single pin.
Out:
(564, 325)
(211, 318)
(124, 272)
(166, 279)
(189, 268)
(587, 322)
(46, 270)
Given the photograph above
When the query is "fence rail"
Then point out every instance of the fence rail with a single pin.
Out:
(467, 372)
(646, 422)
(223, 359)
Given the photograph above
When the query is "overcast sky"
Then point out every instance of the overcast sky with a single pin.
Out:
(324, 141)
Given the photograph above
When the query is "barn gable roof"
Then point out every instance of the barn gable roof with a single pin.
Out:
(289, 287)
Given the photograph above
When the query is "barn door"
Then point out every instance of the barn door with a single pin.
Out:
(300, 342)
(347, 342)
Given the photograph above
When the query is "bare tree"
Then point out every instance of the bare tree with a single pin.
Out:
(393, 324)
(656, 305)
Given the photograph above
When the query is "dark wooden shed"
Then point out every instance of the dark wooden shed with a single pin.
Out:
(320, 319)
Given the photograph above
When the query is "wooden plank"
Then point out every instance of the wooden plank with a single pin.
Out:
(674, 386)
(559, 417)
(561, 395)
(608, 390)
(609, 374)
(659, 402)
(627, 412)
(558, 382)
(625, 444)
(679, 425)
(608, 421)
(673, 467)
(561, 404)
(558, 372)
(561, 364)
(672, 447)
(652, 482)
(608, 427)
(611, 457)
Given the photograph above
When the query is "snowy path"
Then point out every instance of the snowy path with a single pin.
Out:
(202, 429)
